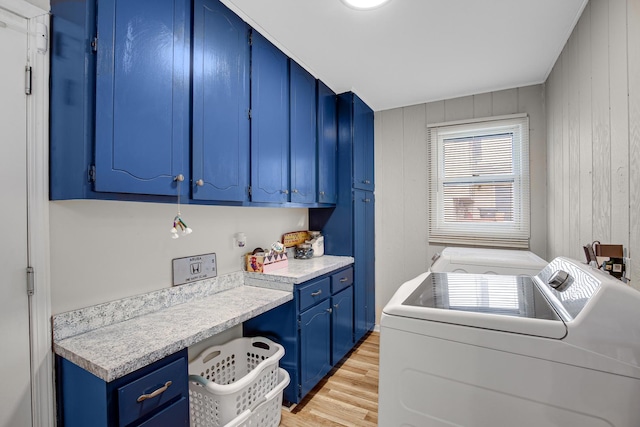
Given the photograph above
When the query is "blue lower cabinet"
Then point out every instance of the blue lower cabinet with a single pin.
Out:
(315, 345)
(314, 333)
(156, 395)
(341, 324)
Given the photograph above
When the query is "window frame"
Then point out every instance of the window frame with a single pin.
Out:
(511, 234)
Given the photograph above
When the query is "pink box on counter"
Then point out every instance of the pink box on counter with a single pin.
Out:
(266, 264)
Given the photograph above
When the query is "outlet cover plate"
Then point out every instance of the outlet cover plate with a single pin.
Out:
(193, 268)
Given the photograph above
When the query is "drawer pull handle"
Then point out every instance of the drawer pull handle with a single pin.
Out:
(156, 393)
(330, 310)
(344, 279)
(316, 293)
(336, 306)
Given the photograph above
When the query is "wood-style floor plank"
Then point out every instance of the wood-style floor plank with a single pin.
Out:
(347, 397)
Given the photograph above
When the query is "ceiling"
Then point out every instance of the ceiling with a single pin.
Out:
(414, 51)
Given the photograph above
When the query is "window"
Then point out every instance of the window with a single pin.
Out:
(479, 182)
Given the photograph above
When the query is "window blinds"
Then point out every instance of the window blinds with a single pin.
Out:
(479, 182)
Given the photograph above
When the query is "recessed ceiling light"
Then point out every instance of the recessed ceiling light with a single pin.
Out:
(364, 4)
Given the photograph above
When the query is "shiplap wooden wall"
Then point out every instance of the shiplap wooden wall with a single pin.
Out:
(592, 99)
(402, 248)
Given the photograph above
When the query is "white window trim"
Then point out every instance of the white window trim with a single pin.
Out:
(496, 234)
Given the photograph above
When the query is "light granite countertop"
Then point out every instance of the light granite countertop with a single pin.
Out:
(298, 271)
(113, 339)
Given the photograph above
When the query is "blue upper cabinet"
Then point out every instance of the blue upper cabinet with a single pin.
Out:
(303, 134)
(142, 96)
(71, 111)
(220, 165)
(327, 144)
(363, 160)
(269, 122)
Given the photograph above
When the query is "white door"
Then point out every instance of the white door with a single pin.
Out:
(15, 379)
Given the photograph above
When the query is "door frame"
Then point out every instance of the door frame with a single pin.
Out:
(42, 394)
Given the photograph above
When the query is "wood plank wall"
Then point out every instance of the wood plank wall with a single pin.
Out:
(402, 249)
(592, 100)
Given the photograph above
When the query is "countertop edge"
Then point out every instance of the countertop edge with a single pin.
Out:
(128, 366)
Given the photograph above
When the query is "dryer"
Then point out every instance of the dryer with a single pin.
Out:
(561, 348)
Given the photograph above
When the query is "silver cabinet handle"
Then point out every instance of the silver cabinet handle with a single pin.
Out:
(344, 279)
(285, 191)
(200, 183)
(335, 306)
(316, 293)
(366, 181)
(366, 200)
(179, 177)
(322, 193)
(329, 310)
(156, 393)
(294, 191)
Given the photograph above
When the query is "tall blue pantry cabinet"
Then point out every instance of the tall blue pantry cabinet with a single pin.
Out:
(349, 228)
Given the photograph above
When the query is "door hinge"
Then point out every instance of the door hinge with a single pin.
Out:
(94, 44)
(27, 80)
(250, 38)
(92, 173)
(249, 113)
(249, 190)
(30, 281)
(299, 324)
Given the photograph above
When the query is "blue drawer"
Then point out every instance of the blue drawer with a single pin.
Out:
(130, 409)
(313, 293)
(341, 280)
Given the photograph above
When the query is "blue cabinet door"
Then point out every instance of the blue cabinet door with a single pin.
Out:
(142, 95)
(364, 269)
(302, 134)
(315, 345)
(363, 160)
(327, 127)
(269, 122)
(220, 140)
(71, 110)
(341, 324)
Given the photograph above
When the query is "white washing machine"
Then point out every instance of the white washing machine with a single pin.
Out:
(487, 261)
(558, 349)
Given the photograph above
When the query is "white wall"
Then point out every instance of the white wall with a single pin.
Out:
(402, 248)
(106, 250)
(593, 124)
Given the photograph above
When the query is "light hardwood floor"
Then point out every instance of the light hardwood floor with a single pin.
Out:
(347, 397)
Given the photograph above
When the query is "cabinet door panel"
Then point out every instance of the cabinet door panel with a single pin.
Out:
(220, 166)
(315, 345)
(363, 159)
(269, 122)
(342, 324)
(303, 134)
(327, 128)
(364, 285)
(142, 93)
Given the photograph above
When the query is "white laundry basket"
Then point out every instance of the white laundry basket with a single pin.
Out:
(269, 412)
(227, 380)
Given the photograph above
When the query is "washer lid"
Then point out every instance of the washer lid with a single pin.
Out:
(504, 303)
